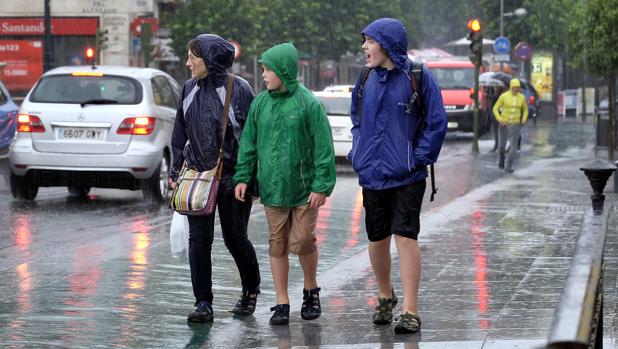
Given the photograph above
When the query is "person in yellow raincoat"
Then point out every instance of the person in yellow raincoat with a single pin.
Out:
(511, 112)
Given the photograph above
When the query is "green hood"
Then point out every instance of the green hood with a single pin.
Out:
(283, 60)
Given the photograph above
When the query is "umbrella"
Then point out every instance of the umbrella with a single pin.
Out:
(504, 77)
(487, 79)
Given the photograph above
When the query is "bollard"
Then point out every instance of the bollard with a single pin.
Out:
(598, 172)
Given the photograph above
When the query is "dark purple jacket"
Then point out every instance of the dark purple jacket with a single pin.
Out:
(197, 130)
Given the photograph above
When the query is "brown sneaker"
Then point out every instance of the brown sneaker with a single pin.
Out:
(383, 312)
(408, 323)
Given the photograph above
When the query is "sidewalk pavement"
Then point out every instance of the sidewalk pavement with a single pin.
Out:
(494, 264)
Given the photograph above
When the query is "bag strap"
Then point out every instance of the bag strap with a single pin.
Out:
(416, 70)
(416, 74)
(359, 93)
(226, 116)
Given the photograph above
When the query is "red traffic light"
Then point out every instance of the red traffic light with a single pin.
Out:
(89, 52)
(474, 25)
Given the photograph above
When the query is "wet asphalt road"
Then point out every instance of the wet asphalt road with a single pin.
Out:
(98, 272)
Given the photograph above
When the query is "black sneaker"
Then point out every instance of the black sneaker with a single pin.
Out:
(311, 308)
(247, 302)
(281, 315)
(203, 313)
(383, 312)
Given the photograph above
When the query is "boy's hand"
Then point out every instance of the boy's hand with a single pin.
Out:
(316, 200)
(171, 184)
(239, 191)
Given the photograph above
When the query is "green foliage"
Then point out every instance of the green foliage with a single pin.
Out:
(319, 28)
(593, 34)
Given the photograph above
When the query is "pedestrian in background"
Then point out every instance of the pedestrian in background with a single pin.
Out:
(196, 140)
(288, 141)
(392, 144)
(511, 112)
(492, 93)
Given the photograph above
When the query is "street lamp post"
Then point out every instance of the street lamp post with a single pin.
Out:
(520, 12)
(48, 54)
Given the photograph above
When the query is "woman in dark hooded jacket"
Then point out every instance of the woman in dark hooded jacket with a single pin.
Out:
(196, 140)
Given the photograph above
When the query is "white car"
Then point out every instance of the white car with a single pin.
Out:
(339, 88)
(102, 126)
(337, 105)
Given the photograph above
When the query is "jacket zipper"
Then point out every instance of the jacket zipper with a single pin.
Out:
(356, 149)
(302, 176)
(409, 168)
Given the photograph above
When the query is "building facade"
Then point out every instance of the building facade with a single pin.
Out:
(74, 28)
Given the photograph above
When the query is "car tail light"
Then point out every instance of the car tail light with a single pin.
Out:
(143, 125)
(29, 123)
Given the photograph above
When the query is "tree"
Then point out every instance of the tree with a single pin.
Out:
(593, 33)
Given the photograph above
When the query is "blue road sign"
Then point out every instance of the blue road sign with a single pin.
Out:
(502, 45)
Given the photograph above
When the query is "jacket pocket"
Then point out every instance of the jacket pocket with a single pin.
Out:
(353, 151)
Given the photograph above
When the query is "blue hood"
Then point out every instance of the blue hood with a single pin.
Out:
(391, 35)
(218, 54)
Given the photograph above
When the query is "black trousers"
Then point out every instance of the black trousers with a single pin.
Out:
(234, 217)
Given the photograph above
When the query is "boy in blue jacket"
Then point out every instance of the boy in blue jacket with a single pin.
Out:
(393, 143)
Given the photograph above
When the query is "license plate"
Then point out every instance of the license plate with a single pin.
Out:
(452, 125)
(81, 133)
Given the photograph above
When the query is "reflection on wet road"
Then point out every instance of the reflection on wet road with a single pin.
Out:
(98, 271)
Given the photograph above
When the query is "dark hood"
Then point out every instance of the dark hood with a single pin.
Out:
(391, 35)
(218, 54)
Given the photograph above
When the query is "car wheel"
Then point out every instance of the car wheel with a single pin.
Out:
(156, 187)
(78, 190)
(23, 187)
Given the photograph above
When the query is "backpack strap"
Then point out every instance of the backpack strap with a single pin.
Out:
(359, 93)
(415, 73)
(416, 76)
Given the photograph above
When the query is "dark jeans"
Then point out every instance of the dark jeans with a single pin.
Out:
(234, 216)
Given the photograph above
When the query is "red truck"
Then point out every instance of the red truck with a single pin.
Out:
(455, 76)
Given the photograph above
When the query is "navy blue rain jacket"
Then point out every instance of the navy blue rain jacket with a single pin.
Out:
(197, 129)
(388, 148)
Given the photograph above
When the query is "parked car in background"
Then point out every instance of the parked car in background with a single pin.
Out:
(339, 88)
(337, 106)
(8, 119)
(456, 79)
(84, 127)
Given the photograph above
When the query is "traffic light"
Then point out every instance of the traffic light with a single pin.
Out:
(90, 55)
(101, 39)
(475, 36)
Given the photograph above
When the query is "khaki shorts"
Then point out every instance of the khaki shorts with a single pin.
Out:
(291, 229)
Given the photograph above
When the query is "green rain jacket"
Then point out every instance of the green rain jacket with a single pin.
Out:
(287, 138)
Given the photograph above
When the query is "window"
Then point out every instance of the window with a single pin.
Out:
(454, 78)
(163, 92)
(78, 89)
(336, 105)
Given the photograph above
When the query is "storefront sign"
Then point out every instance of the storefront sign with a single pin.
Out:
(59, 26)
(24, 63)
(541, 74)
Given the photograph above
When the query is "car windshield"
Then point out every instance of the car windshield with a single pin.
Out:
(454, 78)
(87, 89)
(336, 105)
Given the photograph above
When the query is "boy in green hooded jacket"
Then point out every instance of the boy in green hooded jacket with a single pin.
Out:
(287, 139)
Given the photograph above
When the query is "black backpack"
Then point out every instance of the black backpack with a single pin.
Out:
(416, 76)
